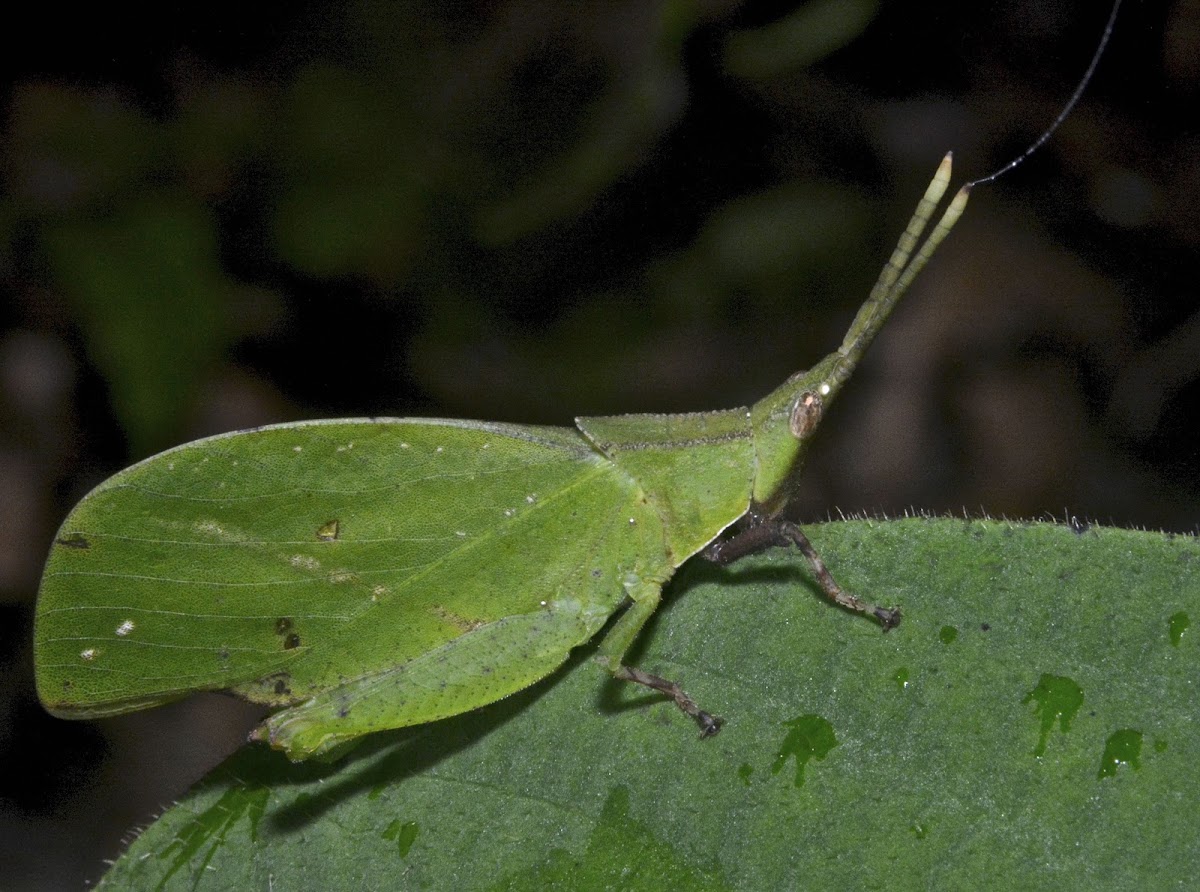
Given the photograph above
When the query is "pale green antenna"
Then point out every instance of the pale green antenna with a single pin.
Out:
(902, 267)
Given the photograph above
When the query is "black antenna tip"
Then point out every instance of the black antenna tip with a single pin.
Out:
(1066, 110)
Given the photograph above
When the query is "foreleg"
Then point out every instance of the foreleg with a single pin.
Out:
(772, 533)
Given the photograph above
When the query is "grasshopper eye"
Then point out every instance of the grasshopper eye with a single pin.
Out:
(806, 414)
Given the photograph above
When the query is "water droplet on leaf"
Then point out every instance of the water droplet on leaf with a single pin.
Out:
(1177, 625)
(811, 737)
(1057, 697)
(1123, 747)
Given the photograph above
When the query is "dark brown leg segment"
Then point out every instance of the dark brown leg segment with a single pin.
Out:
(709, 724)
(774, 533)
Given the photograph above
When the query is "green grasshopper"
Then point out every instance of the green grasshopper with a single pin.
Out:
(368, 574)
(377, 573)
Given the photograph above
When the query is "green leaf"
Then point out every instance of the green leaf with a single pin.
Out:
(1030, 724)
(147, 288)
(815, 30)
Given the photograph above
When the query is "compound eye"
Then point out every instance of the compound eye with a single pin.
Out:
(806, 415)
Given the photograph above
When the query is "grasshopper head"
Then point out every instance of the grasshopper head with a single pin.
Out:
(786, 419)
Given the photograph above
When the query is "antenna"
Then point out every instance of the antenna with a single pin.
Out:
(1062, 115)
(911, 253)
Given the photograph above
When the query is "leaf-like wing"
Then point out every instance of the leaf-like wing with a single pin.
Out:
(290, 560)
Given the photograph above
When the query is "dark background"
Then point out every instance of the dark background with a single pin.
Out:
(232, 214)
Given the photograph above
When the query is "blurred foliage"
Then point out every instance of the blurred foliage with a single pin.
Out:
(421, 163)
(799, 39)
(147, 288)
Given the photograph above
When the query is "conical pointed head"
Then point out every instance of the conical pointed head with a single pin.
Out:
(786, 419)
